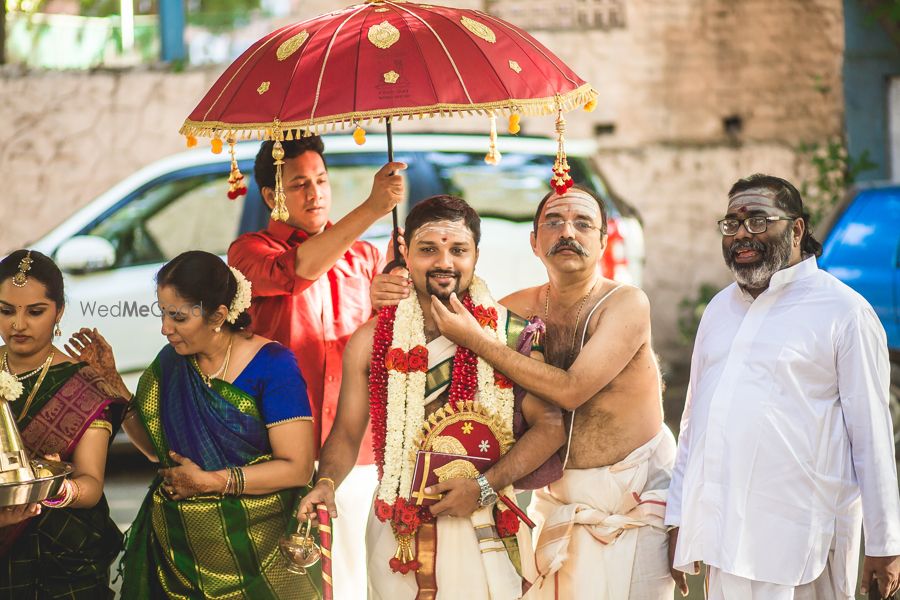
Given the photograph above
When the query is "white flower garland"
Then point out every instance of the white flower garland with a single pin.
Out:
(10, 387)
(242, 296)
(497, 400)
(406, 393)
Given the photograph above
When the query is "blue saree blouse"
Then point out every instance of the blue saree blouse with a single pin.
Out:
(274, 379)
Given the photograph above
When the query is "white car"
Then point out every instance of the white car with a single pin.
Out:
(111, 249)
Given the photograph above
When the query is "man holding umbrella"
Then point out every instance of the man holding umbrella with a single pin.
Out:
(311, 283)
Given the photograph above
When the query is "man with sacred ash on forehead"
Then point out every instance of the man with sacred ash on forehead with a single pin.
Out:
(786, 442)
(451, 435)
(600, 527)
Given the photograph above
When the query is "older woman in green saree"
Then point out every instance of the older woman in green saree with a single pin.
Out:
(65, 548)
(226, 415)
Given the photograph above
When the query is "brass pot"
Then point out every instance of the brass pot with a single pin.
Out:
(300, 549)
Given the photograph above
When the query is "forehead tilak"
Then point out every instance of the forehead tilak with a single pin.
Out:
(754, 200)
(443, 228)
(573, 200)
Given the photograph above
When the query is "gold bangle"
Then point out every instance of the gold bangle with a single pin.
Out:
(329, 480)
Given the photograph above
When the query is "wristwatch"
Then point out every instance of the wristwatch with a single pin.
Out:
(488, 495)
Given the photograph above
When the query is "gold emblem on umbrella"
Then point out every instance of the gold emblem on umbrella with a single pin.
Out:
(384, 35)
(291, 45)
(479, 29)
(391, 77)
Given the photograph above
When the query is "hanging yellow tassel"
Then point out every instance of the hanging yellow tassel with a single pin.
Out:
(514, 127)
(359, 135)
(190, 141)
(279, 211)
(561, 180)
(493, 156)
(216, 145)
(591, 105)
(236, 184)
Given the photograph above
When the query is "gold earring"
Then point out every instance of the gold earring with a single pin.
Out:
(57, 332)
(218, 329)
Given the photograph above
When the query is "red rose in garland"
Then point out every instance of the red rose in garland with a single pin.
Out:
(502, 380)
(396, 360)
(383, 510)
(486, 317)
(417, 359)
(507, 522)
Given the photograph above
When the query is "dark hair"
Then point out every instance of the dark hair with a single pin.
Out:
(788, 199)
(42, 269)
(442, 208)
(205, 280)
(589, 192)
(264, 166)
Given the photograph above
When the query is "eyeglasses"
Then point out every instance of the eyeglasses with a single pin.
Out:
(580, 225)
(729, 226)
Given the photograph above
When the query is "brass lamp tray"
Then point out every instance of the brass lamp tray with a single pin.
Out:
(49, 476)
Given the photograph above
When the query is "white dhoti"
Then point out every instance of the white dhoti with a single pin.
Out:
(600, 532)
(353, 499)
(827, 586)
(465, 569)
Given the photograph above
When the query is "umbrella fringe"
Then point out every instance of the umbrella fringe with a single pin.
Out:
(583, 96)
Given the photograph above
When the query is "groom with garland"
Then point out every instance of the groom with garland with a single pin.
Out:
(450, 435)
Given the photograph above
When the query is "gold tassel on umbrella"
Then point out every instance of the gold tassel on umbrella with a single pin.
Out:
(279, 211)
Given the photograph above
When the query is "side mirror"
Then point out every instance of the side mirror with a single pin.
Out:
(84, 254)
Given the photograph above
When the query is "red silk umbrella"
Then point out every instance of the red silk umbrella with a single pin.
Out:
(381, 61)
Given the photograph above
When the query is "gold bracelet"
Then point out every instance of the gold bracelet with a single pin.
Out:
(225, 491)
(329, 480)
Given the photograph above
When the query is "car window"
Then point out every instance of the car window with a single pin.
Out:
(511, 189)
(186, 212)
(351, 185)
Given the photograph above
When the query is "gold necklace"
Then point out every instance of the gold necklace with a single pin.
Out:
(207, 379)
(24, 376)
(577, 316)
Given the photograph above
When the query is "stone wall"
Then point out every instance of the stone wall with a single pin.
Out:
(693, 95)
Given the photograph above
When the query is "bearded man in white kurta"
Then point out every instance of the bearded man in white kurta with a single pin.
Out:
(400, 372)
(786, 441)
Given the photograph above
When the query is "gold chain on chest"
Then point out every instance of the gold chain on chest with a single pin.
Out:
(571, 351)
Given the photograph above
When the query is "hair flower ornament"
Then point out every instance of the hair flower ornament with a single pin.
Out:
(242, 297)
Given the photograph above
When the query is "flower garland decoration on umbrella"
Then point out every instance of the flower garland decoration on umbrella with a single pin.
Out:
(397, 383)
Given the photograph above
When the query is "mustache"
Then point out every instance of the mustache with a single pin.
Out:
(748, 245)
(442, 273)
(568, 244)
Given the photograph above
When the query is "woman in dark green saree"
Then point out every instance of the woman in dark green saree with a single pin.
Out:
(65, 548)
(226, 415)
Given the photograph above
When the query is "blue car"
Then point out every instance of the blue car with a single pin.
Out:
(861, 247)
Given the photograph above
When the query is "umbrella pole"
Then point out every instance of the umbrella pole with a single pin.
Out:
(395, 232)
